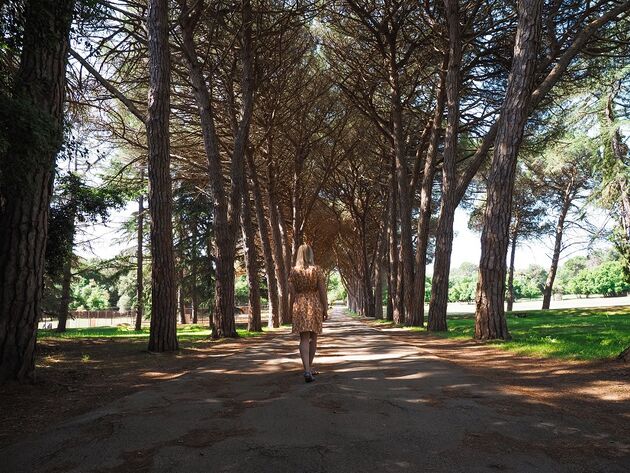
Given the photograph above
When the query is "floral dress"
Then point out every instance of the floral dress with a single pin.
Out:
(309, 287)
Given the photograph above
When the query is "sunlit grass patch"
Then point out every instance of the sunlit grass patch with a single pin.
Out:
(583, 334)
(184, 332)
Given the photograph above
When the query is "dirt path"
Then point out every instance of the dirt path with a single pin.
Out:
(381, 404)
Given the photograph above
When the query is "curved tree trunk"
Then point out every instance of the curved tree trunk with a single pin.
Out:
(163, 330)
(557, 247)
(26, 179)
(490, 322)
(263, 231)
(448, 204)
(278, 253)
(227, 209)
(416, 318)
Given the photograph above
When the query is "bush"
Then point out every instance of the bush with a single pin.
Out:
(241, 290)
(462, 289)
(88, 295)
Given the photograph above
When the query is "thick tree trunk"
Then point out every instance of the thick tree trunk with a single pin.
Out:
(448, 204)
(254, 322)
(510, 282)
(26, 179)
(263, 231)
(490, 322)
(163, 332)
(557, 247)
(416, 317)
(140, 260)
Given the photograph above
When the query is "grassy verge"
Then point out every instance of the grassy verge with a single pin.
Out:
(184, 332)
(581, 334)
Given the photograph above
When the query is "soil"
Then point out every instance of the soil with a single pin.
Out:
(595, 390)
(74, 376)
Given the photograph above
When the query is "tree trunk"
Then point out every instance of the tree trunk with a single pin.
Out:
(286, 244)
(278, 253)
(401, 173)
(557, 247)
(448, 204)
(394, 276)
(416, 318)
(194, 298)
(254, 323)
(378, 291)
(140, 258)
(263, 230)
(26, 179)
(490, 322)
(510, 291)
(163, 333)
(181, 300)
(226, 213)
(64, 302)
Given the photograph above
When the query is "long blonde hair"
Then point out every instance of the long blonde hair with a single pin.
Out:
(305, 257)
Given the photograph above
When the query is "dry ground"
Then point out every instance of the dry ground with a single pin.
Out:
(387, 400)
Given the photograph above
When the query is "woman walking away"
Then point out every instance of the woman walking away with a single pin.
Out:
(308, 304)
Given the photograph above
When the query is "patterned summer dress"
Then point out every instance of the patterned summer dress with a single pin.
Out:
(308, 313)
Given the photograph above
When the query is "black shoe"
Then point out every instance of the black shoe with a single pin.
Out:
(308, 377)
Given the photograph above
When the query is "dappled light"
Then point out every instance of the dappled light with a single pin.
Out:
(307, 237)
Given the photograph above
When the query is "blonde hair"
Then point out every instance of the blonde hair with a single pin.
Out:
(305, 257)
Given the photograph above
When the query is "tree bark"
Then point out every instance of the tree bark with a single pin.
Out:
(26, 179)
(163, 331)
(490, 322)
(557, 247)
(140, 261)
(401, 173)
(226, 211)
(424, 218)
(395, 293)
(278, 251)
(448, 204)
(263, 230)
(254, 323)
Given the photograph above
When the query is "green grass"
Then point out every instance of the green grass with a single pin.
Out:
(186, 332)
(582, 334)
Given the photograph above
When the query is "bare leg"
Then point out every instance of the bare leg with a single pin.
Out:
(304, 350)
(312, 348)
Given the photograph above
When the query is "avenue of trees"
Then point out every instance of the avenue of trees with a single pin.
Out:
(241, 129)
